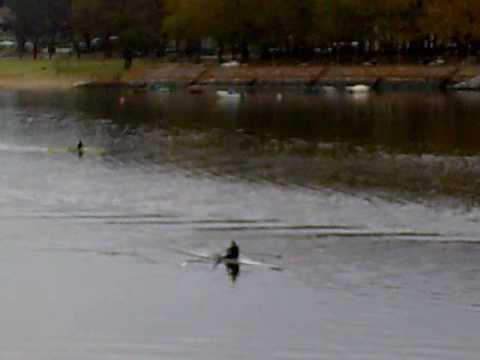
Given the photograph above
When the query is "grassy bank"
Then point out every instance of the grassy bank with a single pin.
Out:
(65, 73)
(61, 74)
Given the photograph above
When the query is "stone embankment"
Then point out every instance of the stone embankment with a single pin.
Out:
(388, 77)
(151, 74)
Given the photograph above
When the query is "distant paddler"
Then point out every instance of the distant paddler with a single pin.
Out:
(231, 260)
(80, 148)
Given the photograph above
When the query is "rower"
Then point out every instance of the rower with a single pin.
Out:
(233, 251)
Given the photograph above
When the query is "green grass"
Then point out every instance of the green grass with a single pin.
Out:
(107, 70)
(97, 69)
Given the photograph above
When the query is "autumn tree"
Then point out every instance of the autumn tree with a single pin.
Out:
(38, 19)
(29, 22)
(241, 26)
(229, 22)
(137, 23)
(458, 21)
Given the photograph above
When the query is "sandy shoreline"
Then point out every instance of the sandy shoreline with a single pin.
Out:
(184, 74)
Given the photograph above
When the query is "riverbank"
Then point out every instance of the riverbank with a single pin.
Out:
(62, 74)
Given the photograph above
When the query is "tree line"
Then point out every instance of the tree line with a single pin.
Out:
(266, 28)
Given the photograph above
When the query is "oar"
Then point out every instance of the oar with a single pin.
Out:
(219, 259)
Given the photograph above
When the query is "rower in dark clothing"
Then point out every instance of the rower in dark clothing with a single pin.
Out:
(232, 251)
(230, 260)
(233, 267)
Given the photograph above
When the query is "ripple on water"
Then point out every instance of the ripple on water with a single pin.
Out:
(380, 261)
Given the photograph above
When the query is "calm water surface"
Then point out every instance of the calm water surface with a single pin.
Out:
(369, 204)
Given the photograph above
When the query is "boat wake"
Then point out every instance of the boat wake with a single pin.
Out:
(12, 148)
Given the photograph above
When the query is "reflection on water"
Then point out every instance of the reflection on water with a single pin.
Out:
(441, 123)
(233, 271)
(420, 144)
(369, 206)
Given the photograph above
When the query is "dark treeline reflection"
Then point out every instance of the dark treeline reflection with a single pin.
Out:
(407, 144)
(440, 123)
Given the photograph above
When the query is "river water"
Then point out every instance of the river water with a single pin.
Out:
(369, 205)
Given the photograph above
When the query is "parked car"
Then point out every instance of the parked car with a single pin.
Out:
(8, 44)
(96, 43)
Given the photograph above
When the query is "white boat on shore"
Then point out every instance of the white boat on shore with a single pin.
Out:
(357, 89)
(229, 94)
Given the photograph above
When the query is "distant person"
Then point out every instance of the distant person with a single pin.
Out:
(233, 251)
(128, 58)
(80, 148)
(51, 50)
